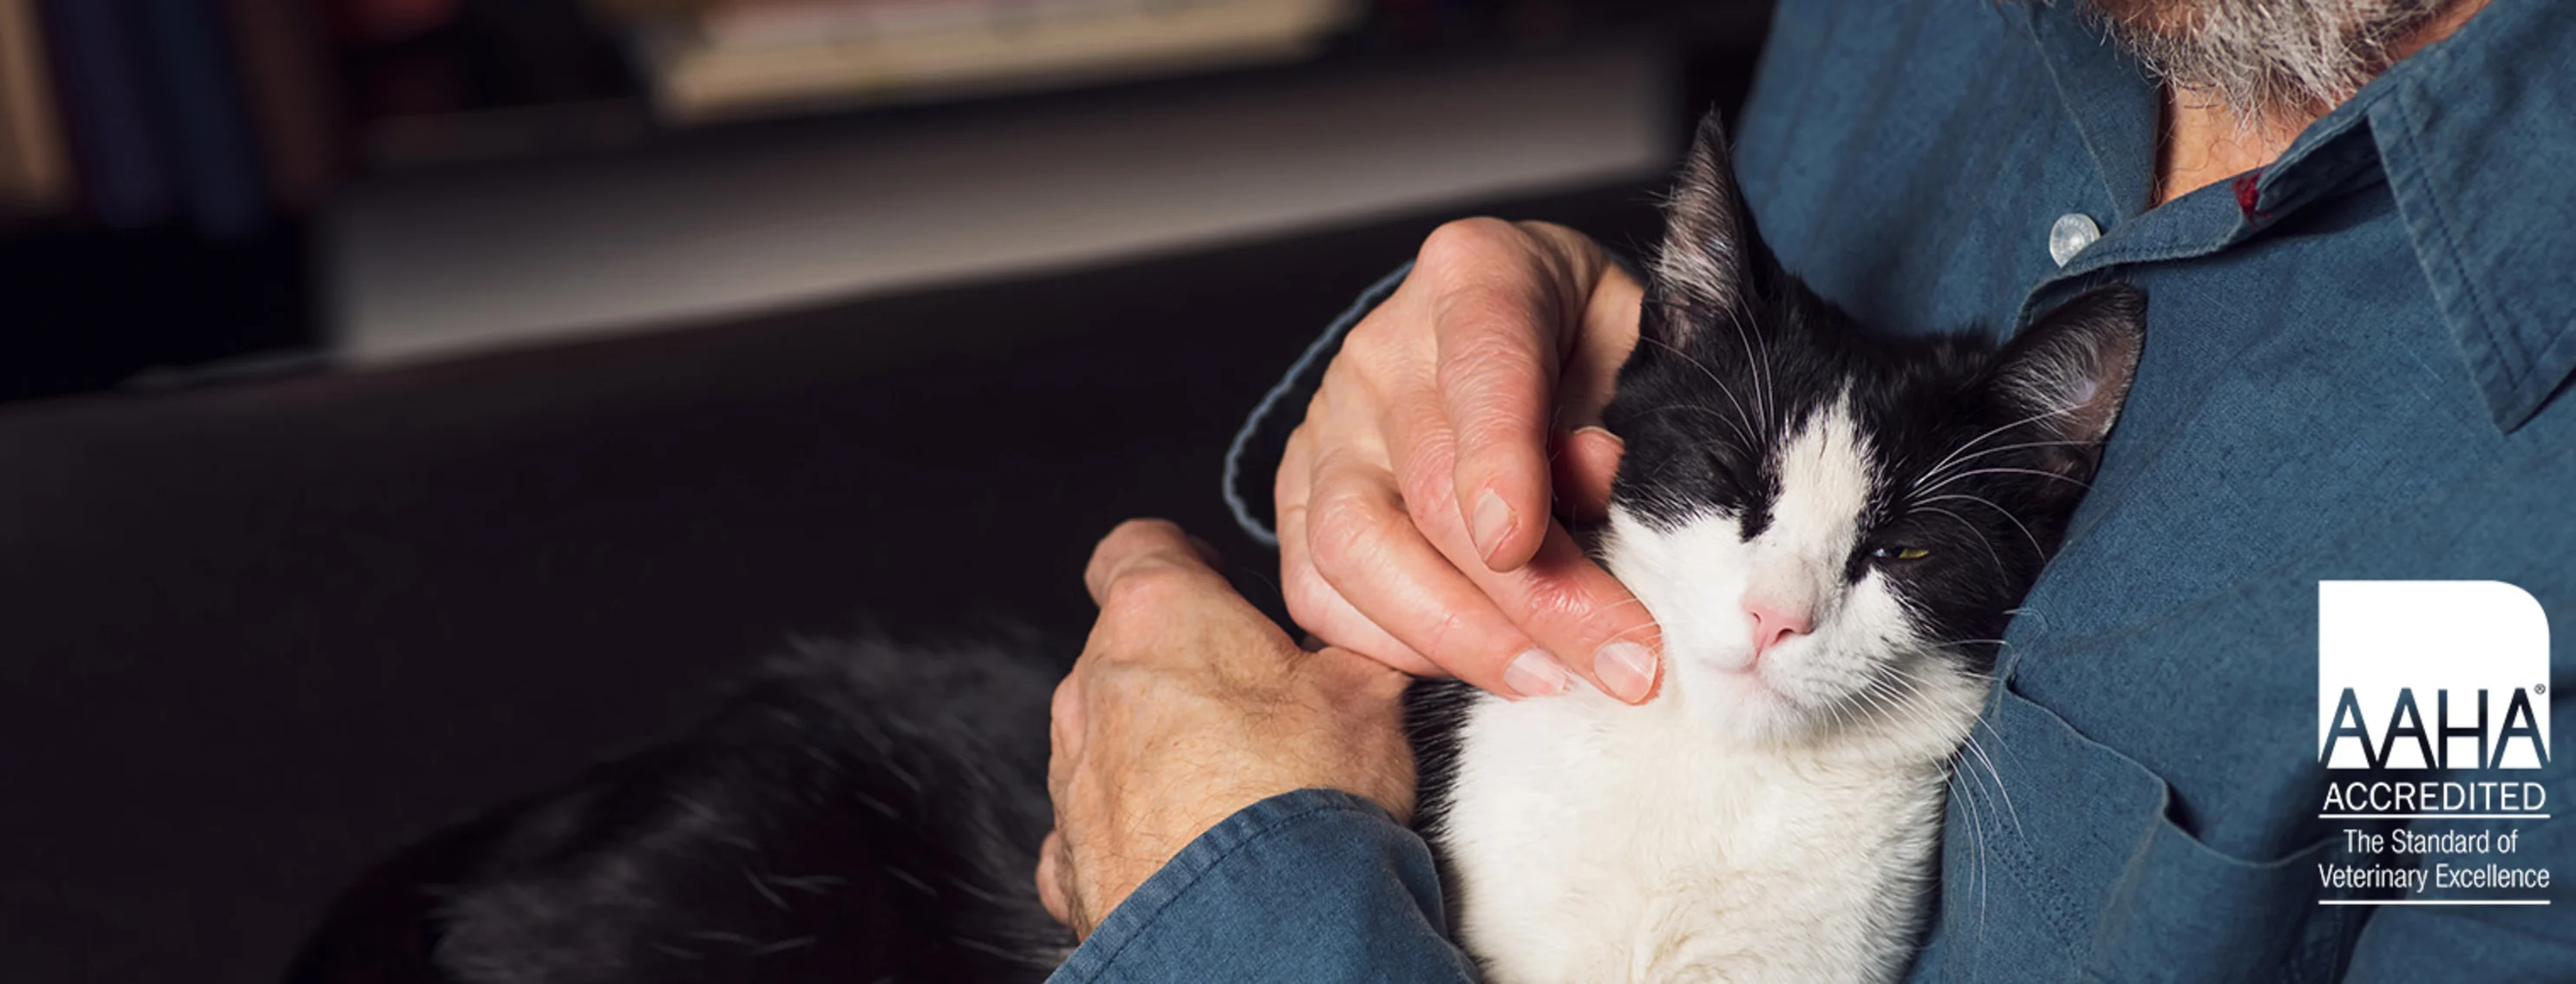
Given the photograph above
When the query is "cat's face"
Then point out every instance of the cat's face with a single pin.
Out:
(1831, 526)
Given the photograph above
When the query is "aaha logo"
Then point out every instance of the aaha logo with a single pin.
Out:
(2436, 695)
(2431, 675)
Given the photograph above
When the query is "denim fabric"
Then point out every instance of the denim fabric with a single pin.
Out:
(2355, 369)
(1315, 885)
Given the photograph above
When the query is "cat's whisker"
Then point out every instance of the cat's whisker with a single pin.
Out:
(1760, 364)
(1981, 438)
(2078, 483)
(2029, 613)
(1979, 750)
(1770, 385)
(2005, 513)
(1972, 528)
(1624, 634)
(1978, 836)
(1740, 412)
(1962, 649)
(1842, 715)
(1937, 471)
(1731, 422)
(1869, 693)
(1977, 848)
(1909, 706)
(1966, 784)
(1973, 747)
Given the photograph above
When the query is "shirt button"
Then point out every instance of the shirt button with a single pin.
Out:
(2070, 235)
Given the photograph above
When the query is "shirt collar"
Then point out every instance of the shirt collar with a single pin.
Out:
(2474, 133)
(2464, 133)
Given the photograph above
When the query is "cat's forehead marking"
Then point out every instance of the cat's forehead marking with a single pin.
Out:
(1825, 481)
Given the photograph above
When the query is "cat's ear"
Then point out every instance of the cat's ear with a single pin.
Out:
(1702, 272)
(2064, 378)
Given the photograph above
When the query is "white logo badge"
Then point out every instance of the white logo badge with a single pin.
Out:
(2431, 675)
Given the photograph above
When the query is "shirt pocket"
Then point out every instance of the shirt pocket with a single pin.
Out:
(2073, 870)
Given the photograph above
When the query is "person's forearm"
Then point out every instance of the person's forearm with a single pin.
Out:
(1311, 886)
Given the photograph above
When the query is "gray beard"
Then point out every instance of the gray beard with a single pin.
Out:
(2266, 60)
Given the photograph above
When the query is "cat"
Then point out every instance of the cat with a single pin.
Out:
(1830, 526)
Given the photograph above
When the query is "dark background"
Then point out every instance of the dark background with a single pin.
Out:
(260, 628)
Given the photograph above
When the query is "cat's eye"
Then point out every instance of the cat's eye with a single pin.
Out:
(1900, 554)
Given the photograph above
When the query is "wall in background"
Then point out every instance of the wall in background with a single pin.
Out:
(443, 262)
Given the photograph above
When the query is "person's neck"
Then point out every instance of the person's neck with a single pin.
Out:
(2205, 142)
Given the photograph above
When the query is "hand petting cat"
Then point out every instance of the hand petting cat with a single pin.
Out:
(1414, 502)
(1188, 705)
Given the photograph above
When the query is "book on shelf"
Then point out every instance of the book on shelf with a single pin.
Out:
(719, 59)
(127, 176)
(189, 58)
(35, 167)
(145, 113)
(289, 88)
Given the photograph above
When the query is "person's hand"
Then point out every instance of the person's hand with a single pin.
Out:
(1188, 705)
(1414, 521)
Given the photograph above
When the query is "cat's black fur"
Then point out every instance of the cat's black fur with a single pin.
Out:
(871, 812)
(856, 812)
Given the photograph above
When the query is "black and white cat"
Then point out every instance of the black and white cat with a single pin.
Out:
(1831, 527)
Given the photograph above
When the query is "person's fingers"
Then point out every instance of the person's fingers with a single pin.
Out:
(1207, 552)
(1560, 600)
(1568, 605)
(1312, 602)
(1495, 325)
(1296, 468)
(1367, 548)
(1599, 347)
(1139, 543)
(1449, 427)
(1324, 613)
(1586, 463)
(1055, 868)
(1055, 882)
(1585, 457)
(1066, 723)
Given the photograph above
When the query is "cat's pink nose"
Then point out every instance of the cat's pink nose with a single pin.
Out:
(1776, 622)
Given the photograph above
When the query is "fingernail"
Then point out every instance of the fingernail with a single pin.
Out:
(1627, 669)
(1493, 521)
(1602, 431)
(1536, 674)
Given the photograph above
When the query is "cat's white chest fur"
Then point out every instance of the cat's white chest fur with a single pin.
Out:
(1595, 842)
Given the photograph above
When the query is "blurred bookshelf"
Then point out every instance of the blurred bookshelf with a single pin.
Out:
(509, 79)
(163, 162)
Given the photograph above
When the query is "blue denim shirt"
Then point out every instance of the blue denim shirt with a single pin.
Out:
(2354, 369)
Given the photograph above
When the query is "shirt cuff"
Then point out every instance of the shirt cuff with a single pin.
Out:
(1315, 885)
(1253, 458)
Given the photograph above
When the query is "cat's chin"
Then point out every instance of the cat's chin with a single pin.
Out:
(1737, 704)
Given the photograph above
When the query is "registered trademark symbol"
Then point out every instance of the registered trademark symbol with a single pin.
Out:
(2539, 688)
